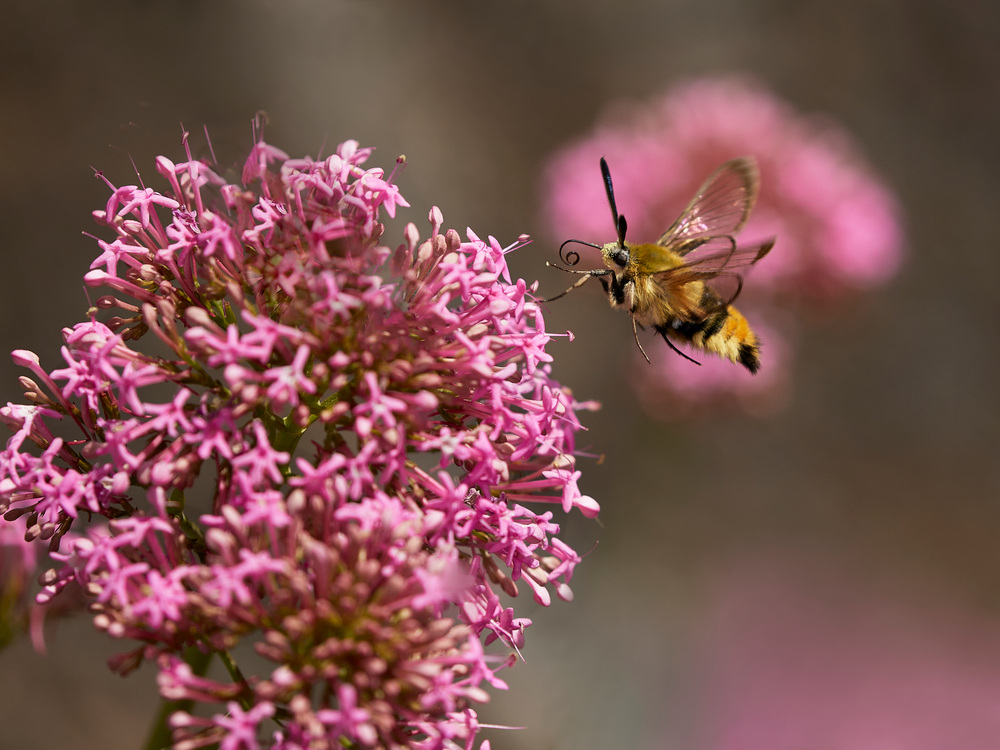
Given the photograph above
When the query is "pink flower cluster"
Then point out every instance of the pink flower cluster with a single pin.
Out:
(277, 432)
(837, 225)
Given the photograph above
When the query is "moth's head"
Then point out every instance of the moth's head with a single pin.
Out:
(616, 255)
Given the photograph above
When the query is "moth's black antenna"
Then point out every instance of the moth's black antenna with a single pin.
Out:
(618, 219)
(609, 189)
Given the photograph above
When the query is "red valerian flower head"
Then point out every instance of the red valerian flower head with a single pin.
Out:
(377, 427)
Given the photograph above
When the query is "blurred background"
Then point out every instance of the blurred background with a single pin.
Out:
(824, 576)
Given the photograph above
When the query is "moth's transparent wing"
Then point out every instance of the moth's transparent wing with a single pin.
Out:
(718, 263)
(720, 207)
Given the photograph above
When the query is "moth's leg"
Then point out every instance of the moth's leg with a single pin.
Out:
(587, 275)
(662, 330)
(617, 290)
(635, 332)
(583, 280)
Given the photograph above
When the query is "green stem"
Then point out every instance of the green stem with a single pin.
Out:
(237, 676)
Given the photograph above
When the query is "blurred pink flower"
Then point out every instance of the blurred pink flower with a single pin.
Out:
(18, 561)
(794, 658)
(837, 225)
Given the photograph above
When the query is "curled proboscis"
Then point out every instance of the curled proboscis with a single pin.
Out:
(572, 257)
